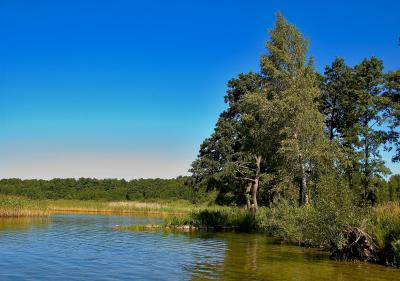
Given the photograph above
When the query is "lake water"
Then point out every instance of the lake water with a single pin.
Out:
(86, 247)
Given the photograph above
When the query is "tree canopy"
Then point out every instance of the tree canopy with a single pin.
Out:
(290, 131)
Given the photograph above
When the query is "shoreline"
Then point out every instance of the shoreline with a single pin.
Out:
(282, 224)
(108, 211)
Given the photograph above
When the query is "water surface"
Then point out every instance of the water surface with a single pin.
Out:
(86, 247)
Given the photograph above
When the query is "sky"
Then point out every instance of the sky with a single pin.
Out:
(129, 89)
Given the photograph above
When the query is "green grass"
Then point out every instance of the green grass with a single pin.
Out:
(11, 206)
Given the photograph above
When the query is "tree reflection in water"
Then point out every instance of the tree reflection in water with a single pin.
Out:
(258, 257)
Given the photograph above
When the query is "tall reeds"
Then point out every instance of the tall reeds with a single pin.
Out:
(11, 206)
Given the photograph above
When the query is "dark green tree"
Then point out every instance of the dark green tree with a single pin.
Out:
(371, 108)
(392, 85)
(223, 163)
(339, 97)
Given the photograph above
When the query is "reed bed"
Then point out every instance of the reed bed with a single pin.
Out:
(390, 209)
(175, 207)
(386, 223)
(11, 206)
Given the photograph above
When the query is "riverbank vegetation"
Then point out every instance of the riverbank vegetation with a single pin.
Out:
(157, 207)
(11, 206)
(348, 232)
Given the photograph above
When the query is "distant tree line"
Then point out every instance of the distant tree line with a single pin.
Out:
(290, 132)
(98, 189)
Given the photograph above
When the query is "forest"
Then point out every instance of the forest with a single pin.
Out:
(98, 189)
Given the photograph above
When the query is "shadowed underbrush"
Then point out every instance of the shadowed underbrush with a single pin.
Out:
(217, 218)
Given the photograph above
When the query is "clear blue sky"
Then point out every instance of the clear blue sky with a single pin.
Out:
(130, 89)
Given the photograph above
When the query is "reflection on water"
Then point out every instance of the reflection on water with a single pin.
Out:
(22, 223)
(85, 247)
(257, 257)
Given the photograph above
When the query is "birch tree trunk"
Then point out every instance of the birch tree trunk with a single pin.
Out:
(247, 194)
(256, 183)
(304, 185)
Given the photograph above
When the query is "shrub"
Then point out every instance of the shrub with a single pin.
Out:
(385, 227)
(332, 214)
(217, 218)
(322, 223)
(282, 220)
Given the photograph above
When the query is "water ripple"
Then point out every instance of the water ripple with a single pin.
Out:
(85, 247)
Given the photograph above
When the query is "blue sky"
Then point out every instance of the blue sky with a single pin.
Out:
(129, 89)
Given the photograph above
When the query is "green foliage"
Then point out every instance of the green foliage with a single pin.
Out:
(334, 212)
(234, 218)
(223, 163)
(385, 227)
(338, 98)
(357, 102)
(321, 223)
(286, 128)
(217, 218)
(392, 85)
(282, 220)
(95, 189)
(272, 130)
(395, 251)
(393, 187)
(387, 191)
(174, 221)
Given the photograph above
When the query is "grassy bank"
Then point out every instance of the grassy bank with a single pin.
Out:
(19, 206)
(161, 207)
(11, 206)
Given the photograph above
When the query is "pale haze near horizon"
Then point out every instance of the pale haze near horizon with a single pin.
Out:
(94, 165)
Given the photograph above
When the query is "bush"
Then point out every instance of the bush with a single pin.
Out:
(332, 214)
(282, 220)
(385, 227)
(322, 223)
(217, 218)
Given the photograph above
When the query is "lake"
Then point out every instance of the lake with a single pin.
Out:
(86, 247)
